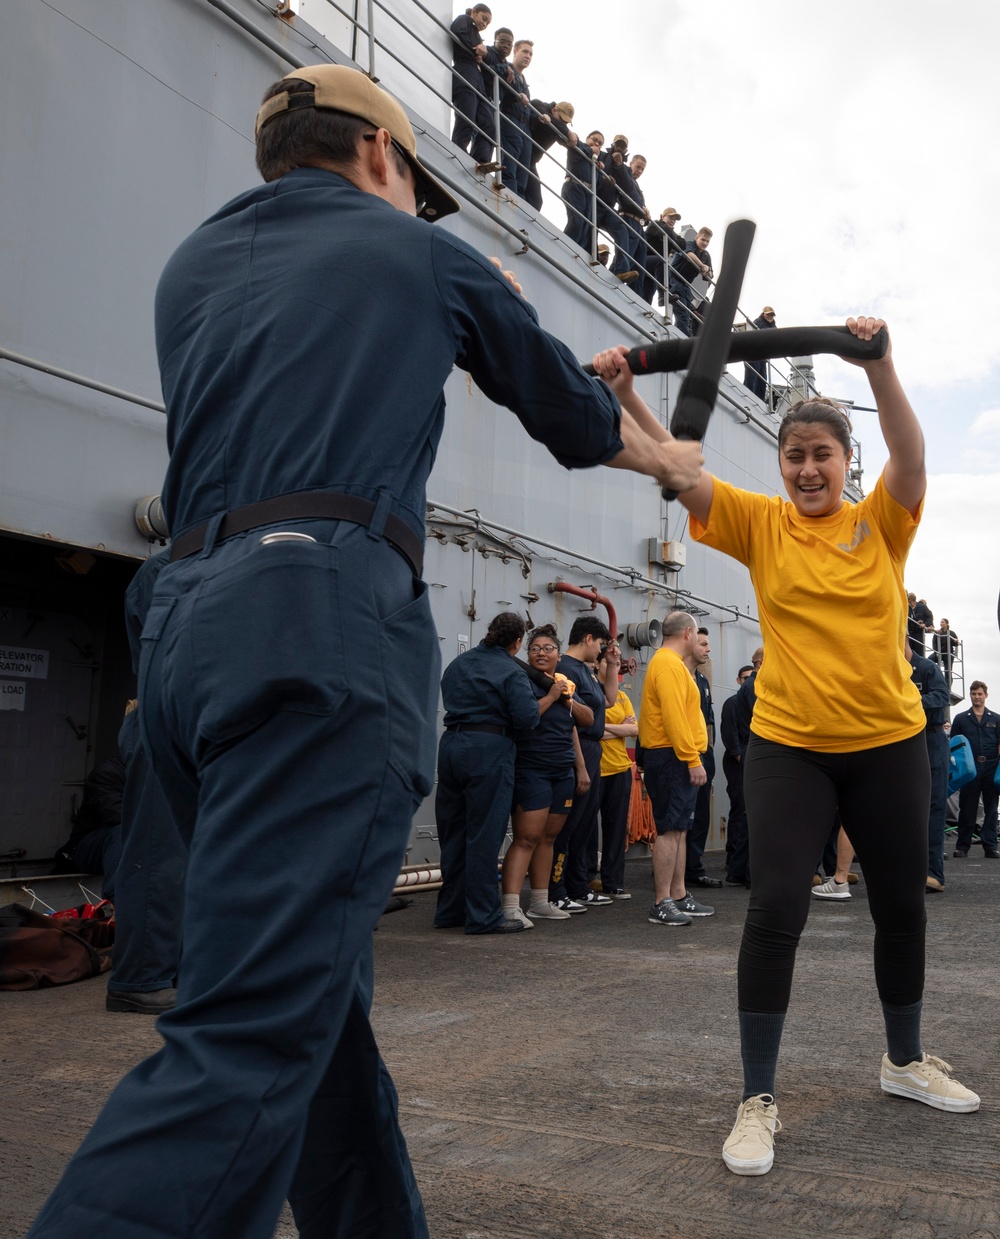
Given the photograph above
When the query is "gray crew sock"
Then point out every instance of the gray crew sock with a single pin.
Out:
(760, 1040)
(902, 1032)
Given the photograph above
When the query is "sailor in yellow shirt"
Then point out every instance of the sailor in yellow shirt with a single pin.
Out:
(831, 731)
(673, 736)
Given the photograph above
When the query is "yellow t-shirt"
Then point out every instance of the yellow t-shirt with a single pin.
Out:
(833, 613)
(670, 714)
(614, 755)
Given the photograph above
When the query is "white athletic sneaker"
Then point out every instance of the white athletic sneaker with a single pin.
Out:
(832, 889)
(515, 914)
(928, 1080)
(749, 1148)
(547, 912)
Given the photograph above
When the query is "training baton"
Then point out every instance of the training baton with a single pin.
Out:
(665, 356)
(700, 388)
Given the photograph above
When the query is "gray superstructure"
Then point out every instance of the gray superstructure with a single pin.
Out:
(130, 121)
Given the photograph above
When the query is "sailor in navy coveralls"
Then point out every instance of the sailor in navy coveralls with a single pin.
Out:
(487, 698)
(290, 666)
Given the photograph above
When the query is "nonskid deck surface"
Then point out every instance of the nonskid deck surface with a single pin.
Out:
(579, 1079)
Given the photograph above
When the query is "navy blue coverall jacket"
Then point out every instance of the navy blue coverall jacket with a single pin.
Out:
(984, 736)
(287, 697)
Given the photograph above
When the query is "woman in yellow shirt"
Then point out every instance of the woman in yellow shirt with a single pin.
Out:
(838, 725)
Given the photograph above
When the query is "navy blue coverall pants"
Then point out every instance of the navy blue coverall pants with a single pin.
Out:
(472, 808)
(698, 834)
(149, 884)
(246, 736)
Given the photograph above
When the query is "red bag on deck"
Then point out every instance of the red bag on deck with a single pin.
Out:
(38, 950)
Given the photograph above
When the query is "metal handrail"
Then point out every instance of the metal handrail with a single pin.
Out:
(82, 380)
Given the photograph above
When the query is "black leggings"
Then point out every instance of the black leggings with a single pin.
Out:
(791, 798)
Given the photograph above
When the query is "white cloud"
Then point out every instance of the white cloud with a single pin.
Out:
(986, 425)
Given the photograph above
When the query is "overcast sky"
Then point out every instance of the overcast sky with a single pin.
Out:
(861, 139)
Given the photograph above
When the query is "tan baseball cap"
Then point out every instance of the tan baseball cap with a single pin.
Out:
(672, 213)
(348, 90)
(767, 310)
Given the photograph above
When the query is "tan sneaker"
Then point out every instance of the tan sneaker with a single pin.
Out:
(928, 1080)
(749, 1148)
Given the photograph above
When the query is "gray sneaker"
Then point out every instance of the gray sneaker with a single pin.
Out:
(692, 907)
(666, 912)
(832, 889)
(514, 917)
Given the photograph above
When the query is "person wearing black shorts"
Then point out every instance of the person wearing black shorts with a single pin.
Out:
(548, 769)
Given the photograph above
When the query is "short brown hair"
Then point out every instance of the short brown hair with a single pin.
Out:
(524, 43)
(301, 137)
(978, 684)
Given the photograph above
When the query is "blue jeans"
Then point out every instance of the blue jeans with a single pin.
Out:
(472, 808)
(296, 770)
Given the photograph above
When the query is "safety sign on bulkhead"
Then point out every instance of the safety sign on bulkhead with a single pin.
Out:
(12, 694)
(25, 664)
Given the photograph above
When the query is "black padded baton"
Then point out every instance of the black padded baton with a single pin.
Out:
(700, 388)
(666, 356)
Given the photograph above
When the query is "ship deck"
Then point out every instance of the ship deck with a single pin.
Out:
(579, 1080)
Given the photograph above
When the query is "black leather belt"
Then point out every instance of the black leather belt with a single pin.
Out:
(489, 729)
(307, 505)
(640, 218)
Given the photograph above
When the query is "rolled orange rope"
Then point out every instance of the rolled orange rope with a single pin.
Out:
(641, 827)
